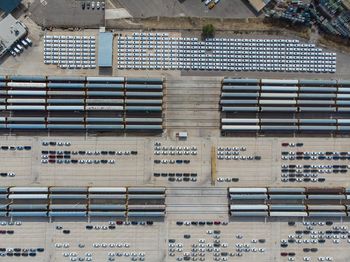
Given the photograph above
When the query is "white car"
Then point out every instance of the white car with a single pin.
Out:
(207, 2)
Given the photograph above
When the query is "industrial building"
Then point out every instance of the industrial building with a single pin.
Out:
(105, 50)
(258, 5)
(9, 5)
(11, 31)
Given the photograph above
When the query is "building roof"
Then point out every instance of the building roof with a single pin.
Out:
(258, 5)
(346, 3)
(11, 30)
(9, 5)
(105, 49)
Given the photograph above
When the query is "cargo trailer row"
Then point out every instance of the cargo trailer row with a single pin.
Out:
(90, 214)
(289, 211)
(81, 103)
(285, 128)
(286, 82)
(289, 190)
(282, 105)
(289, 202)
(87, 190)
(150, 127)
(82, 201)
(83, 79)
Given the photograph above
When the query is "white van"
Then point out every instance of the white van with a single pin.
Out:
(24, 42)
(20, 47)
(16, 50)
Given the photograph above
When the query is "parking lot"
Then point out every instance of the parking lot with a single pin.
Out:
(103, 240)
(156, 51)
(114, 160)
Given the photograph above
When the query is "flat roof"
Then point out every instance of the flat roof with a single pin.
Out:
(9, 5)
(11, 30)
(105, 49)
(258, 5)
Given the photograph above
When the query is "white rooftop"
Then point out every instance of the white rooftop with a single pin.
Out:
(11, 30)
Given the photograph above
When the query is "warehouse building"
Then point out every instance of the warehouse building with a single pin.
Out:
(11, 31)
(9, 5)
(105, 49)
(258, 5)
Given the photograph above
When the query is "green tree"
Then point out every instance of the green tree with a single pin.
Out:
(208, 31)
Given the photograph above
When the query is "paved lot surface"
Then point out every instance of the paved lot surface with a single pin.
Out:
(71, 14)
(192, 8)
(129, 170)
(31, 62)
(191, 104)
(153, 241)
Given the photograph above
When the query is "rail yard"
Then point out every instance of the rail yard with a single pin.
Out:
(164, 145)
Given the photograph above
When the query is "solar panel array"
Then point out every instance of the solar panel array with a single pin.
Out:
(289, 202)
(82, 202)
(268, 105)
(81, 103)
(73, 52)
(160, 51)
